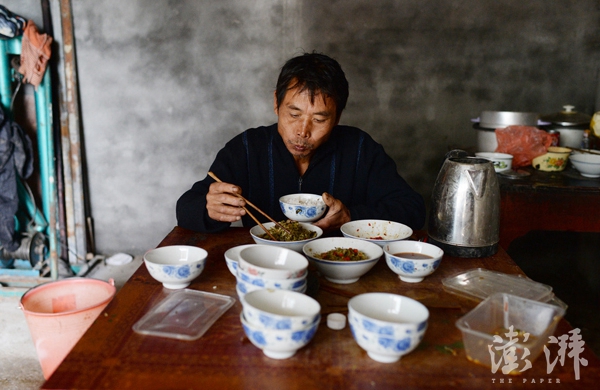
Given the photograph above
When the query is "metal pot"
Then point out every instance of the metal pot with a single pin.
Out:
(502, 119)
(570, 124)
(465, 207)
(489, 121)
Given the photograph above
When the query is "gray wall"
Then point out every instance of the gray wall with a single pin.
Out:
(164, 84)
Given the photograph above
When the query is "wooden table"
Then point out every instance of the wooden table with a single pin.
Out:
(560, 201)
(111, 356)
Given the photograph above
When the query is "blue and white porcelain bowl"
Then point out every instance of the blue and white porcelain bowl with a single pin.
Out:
(412, 260)
(281, 284)
(245, 285)
(276, 343)
(270, 262)
(244, 288)
(377, 231)
(387, 326)
(342, 272)
(232, 257)
(302, 207)
(175, 266)
(280, 309)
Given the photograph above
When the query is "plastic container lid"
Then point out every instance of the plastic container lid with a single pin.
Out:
(185, 315)
(479, 283)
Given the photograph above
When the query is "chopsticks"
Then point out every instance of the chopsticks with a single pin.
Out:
(257, 209)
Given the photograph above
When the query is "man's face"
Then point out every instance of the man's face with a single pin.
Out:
(304, 126)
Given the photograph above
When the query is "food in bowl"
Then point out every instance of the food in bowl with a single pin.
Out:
(302, 207)
(342, 272)
(412, 260)
(342, 254)
(257, 232)
(295, 232)
(377, 231)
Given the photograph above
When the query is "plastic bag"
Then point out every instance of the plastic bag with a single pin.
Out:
(524, 142)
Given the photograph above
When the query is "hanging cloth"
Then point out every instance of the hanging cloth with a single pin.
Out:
(11, 25)
(16, 158)
(35, 53)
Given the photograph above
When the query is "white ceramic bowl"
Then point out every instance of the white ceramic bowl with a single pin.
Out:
(587, 164)
(242, 288)
(387, 326)
(271, 262)
(175, 266)
(501, 161)
(302, 207)
(280, 284)
(278, 344)
(280, 309)
(232, 257)
(377, 231)
(257, 231)
(343, 272)
(406, 259)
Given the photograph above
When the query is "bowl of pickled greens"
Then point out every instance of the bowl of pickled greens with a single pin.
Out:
(342, 260)
(292, 236)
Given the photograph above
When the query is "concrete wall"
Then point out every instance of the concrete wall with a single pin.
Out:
(164, 84)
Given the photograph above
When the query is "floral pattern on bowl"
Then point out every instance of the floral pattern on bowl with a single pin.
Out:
(279, 343)
(306, 212)
(410, 267)
(555, 160)
(302, 207)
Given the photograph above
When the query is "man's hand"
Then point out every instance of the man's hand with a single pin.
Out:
(222, 205)
(337, 215)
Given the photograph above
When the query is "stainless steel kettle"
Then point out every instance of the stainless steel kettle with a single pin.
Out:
(465, 207)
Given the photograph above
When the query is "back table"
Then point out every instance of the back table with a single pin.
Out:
(112, 356)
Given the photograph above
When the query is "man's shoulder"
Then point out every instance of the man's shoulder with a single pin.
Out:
(260, 131)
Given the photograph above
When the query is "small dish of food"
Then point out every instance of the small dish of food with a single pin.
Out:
(297, 234)
(377, 231)
(341, 259)
(412, 260)
(302, 207)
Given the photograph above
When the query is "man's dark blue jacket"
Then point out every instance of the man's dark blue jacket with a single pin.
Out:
(350, 166)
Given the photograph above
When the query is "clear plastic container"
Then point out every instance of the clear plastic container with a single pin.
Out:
(486, 328)
(479, 283)
(185, 315)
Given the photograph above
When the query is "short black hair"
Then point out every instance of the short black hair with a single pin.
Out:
(317, 74)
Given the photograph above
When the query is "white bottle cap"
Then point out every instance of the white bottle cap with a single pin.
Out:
(336, 321)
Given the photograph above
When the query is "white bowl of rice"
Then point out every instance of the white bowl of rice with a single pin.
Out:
(302, 207)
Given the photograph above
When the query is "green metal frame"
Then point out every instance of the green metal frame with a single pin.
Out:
(43, 104)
